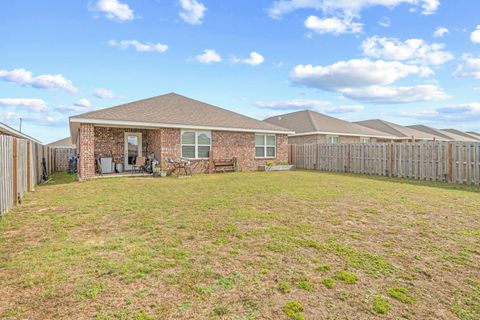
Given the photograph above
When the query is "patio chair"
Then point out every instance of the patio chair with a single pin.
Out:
(139, 165)
(179, 165)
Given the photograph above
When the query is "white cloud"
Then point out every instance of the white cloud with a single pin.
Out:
(368, 81)
(114, 10)
(316, 105)
(412, 50)
(468, 112)
(440, 32)
(45, 81)
(38, 105)
(208, 56)
(392, 95)
(352, 73)
(385, 22)
(345, 7)
(103, 93)
(475, 36)
(139, 46)
(83, 103)
(469, 68)
(332, 25)
(430, 6)
(42, 119)
(254, 60)
(192, 11)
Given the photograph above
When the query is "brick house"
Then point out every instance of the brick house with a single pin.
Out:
(313, 127)
(176, 126)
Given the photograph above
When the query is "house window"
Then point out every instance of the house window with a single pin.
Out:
(196, 144)
(265, 146)
(364, 140)
(333, 139)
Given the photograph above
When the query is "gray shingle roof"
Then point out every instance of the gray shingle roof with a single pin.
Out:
(177, 110)
(307, 121)
(431, 131)
(397, 130)
(475, 134)
(62, 143)
(460, 135)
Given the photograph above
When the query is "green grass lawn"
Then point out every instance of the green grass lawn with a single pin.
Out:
(286, 245)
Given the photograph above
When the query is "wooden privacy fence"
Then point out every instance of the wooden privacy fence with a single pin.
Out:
(454, 162)
(20, 169)
(61, 157)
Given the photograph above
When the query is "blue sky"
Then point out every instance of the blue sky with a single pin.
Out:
(407, 61)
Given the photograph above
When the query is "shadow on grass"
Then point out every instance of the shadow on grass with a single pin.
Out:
(57, 178)
(424, 183)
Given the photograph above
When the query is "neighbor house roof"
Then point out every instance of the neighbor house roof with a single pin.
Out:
(173, 111)
(401, 132)
(307, 122)
(462, 136)
(431, 131)
(62, 143)
(475, 134)
(9, 131)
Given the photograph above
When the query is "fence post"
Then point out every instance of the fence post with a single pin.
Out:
(29, 167)
(15, 171)
(449, 162)
(390, 159)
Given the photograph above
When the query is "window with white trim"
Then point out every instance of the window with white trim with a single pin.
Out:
(333, 139)
(265, 146)
(364, 140)
(196, 144)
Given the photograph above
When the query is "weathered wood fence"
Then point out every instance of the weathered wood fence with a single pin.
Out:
(454, 162)
(20, 169)
(62, 155)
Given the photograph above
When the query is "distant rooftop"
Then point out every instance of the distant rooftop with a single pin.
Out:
(399, 131)
(308, 121)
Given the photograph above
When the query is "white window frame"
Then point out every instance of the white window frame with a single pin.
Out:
(196, 144)
(365, 139)
(329, 139)
(265, 146)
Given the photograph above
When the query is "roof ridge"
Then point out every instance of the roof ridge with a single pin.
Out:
(309, 115)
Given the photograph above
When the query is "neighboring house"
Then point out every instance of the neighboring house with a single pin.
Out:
(475, 134)
(9, 131)
(313, 127)
(432, 131)
(63, 143)
(462, 136)
(176, 126)
(401, 133)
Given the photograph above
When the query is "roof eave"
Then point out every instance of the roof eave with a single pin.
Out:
(152, 125)
(342, 134)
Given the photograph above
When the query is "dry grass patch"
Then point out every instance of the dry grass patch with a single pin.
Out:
(242, 246)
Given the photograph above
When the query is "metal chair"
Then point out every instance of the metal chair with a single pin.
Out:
(139, 165)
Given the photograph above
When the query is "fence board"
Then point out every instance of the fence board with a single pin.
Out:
(20, 169)
(456, 162)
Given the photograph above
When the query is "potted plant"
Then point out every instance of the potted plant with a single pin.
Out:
(158, 172)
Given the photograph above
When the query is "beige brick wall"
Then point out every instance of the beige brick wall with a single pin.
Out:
(86, 147)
